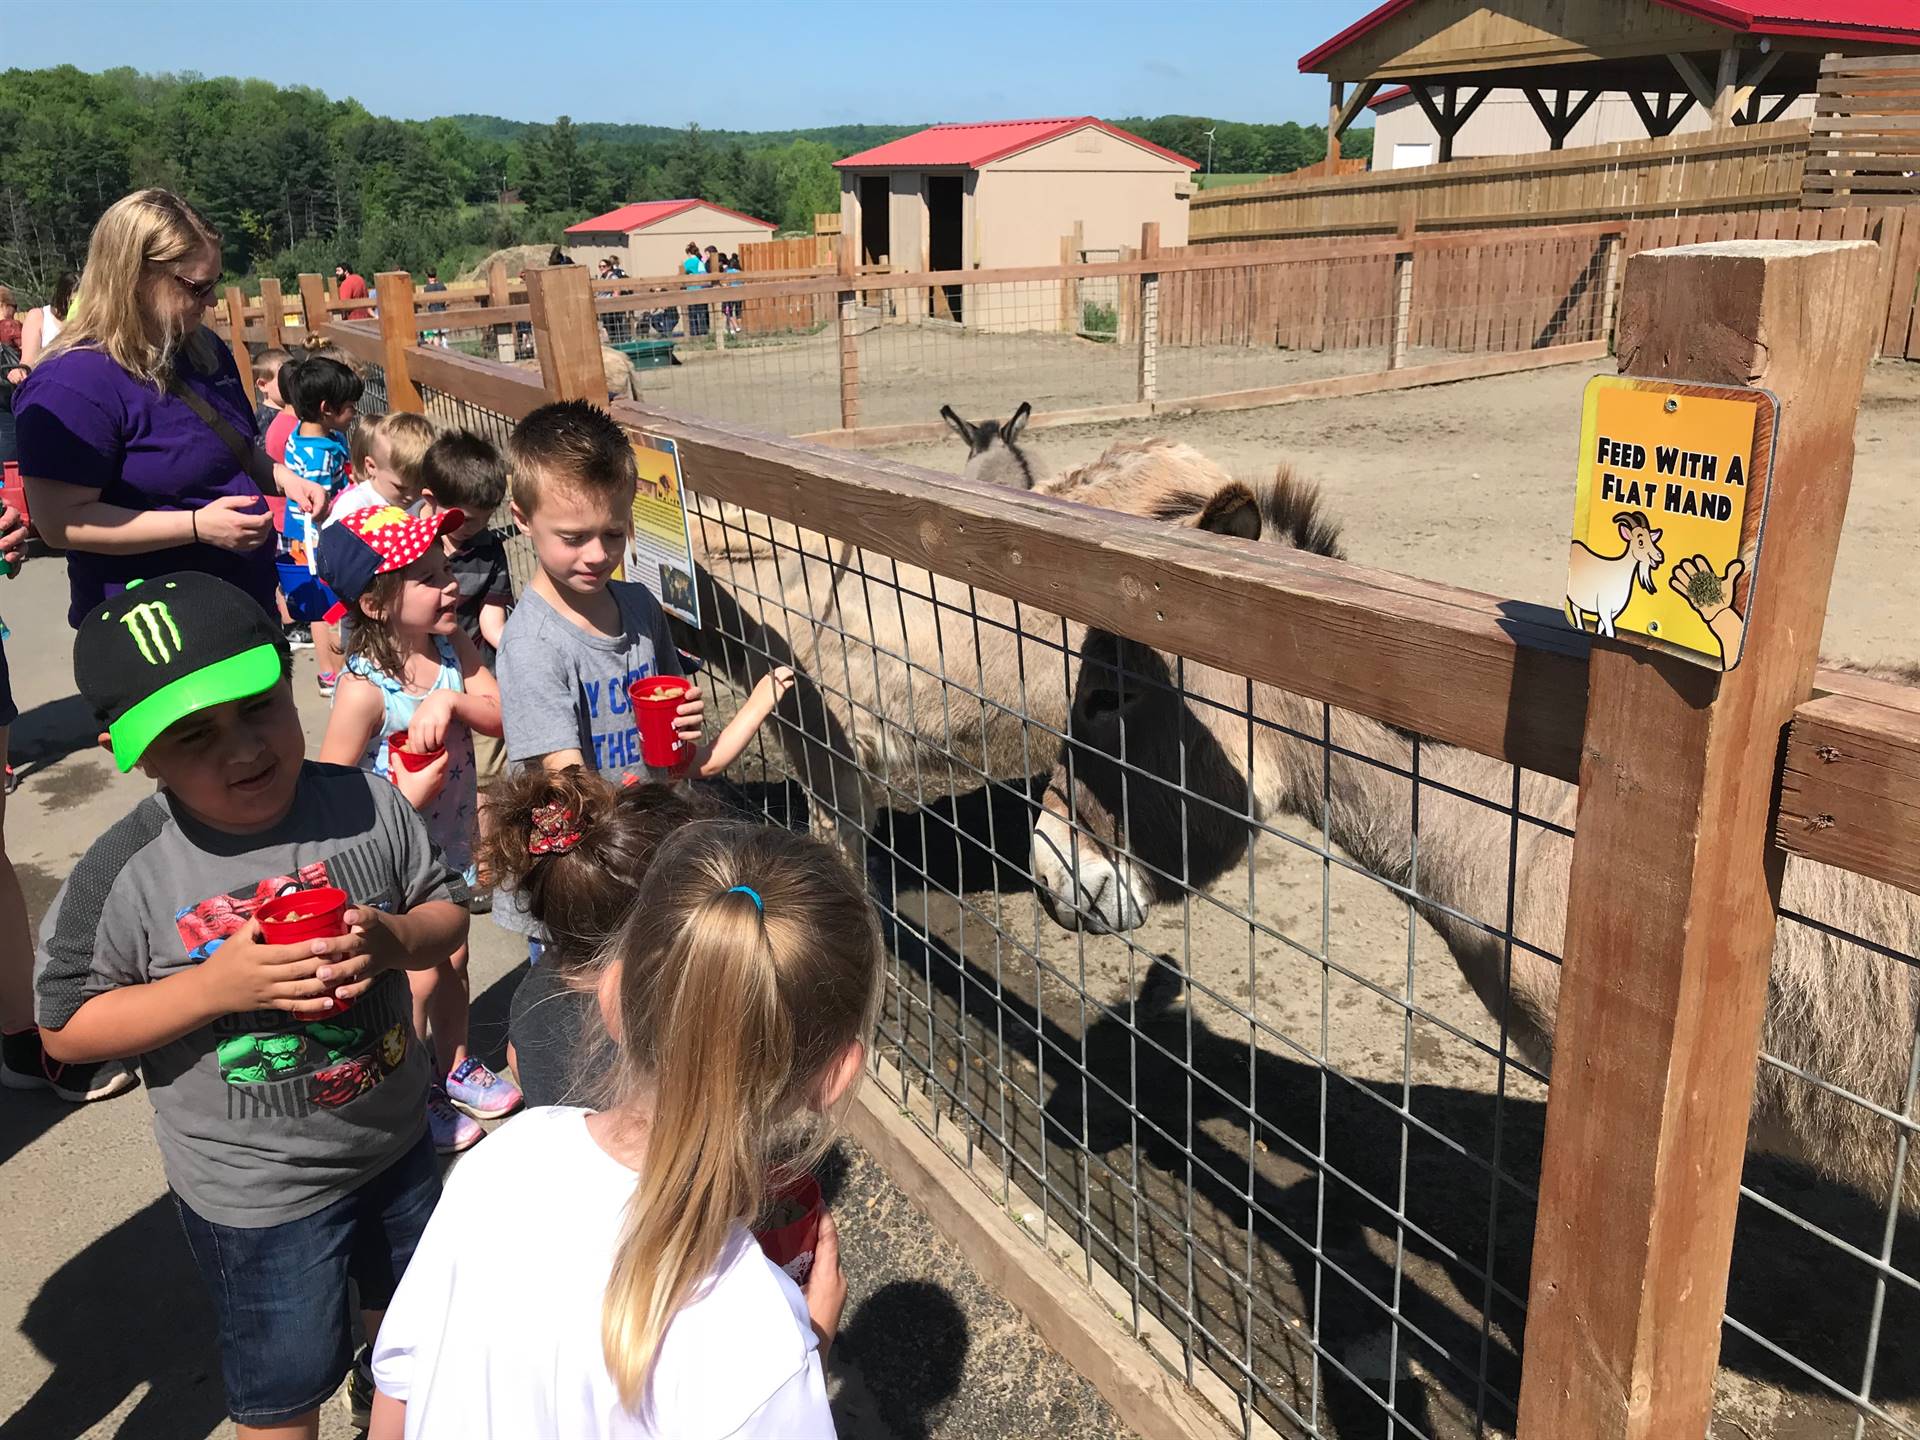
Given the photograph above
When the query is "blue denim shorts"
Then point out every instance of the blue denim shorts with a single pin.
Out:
(287, 1328)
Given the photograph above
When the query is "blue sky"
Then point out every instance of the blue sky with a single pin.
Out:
(804, 63)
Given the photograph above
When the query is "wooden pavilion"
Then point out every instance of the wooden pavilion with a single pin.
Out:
(1743, 61)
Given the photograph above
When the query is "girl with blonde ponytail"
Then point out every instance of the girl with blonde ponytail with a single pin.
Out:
(737, 994)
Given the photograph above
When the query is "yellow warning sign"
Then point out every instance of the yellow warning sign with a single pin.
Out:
(1668, 513)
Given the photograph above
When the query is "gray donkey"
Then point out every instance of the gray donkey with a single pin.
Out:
(995, 454)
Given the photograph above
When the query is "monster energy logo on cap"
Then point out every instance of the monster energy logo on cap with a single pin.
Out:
(168, 648)
(152, 627)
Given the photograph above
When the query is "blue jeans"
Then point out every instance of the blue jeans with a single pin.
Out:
(287, 1328)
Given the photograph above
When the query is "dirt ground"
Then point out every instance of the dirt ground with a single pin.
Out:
(1470, 484)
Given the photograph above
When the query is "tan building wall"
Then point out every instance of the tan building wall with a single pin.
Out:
(661, 246)
(1014, 211)
(1506, 125)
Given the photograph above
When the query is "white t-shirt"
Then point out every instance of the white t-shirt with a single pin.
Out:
(362, 496)
(495, 1331)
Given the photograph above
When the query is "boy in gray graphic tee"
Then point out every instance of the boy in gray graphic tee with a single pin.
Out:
(288, 1090)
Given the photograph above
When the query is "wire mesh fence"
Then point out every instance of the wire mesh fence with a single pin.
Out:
(1265, 1102)
(1847, 1255)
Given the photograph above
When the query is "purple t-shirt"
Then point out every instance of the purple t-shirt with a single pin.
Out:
(83, 420)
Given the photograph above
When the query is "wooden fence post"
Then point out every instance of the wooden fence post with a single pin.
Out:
(399, 333)
(849, 341)
(1402, 295)
(566, 333)
(273, 312)
(237, 338)
(1149, 312)
(1671, 901)
(500, 294)
(313, 305)
(1071, 247)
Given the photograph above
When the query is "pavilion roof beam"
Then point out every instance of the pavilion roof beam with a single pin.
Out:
(1558, 121)
(1450, 114)
(1661, 116)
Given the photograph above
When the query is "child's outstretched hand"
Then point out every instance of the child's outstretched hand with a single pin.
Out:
(782, 678)
(690, 719)
(423, 786)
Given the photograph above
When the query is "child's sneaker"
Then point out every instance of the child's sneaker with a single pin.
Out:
(299, 637)
(25, 1066)
(356, 1396)
(328, 679)
(452, 1132)
(474, 1088)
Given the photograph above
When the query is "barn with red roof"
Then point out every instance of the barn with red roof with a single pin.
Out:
(1004, 192)
(1669, 64)
(650, 237)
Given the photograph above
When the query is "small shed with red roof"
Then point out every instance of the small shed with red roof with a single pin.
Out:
(650, 237)
(1738, 61)
(1004, 192)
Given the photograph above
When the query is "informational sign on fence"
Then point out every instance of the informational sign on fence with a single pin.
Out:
(1669, 513)
(660, 550)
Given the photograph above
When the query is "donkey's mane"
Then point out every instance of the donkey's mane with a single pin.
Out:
(1292, 507)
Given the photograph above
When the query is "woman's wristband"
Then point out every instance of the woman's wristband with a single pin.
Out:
(194, 517)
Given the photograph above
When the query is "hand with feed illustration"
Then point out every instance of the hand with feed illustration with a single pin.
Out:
(1711, 597)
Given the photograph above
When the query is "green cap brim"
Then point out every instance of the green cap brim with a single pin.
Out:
(234, 678)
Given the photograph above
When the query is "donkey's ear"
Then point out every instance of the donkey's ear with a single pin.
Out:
(1234, 511)
(1011, 430)
(960, 427)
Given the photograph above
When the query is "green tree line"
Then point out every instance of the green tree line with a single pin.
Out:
(297, 182)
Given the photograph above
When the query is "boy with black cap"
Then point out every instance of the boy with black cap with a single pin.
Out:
(288, 1089)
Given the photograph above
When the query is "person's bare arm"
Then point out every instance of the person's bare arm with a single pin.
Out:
(561, 759)
(353, 721)
(389, 1418)
(480, 707)
(30, 330)
(493, 622)
(74, 517)
(739, 731)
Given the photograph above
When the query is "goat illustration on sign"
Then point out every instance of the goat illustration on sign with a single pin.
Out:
(1670, 469)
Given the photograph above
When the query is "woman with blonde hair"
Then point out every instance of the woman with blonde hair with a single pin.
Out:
(136, 436)
(737, 994)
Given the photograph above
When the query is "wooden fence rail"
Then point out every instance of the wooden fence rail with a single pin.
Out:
(1756, 167)
(1648, 1107)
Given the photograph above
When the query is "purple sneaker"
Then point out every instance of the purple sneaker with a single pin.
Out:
(474, 1088)
(452, 1132)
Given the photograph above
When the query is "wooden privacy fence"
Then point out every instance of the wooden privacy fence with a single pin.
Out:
(1685, 816)
(1755, 167)
(1865, 148)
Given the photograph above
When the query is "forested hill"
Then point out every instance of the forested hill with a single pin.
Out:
(297, 181)
(843, 139)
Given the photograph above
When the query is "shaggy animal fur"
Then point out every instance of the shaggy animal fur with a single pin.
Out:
(1837, 1010)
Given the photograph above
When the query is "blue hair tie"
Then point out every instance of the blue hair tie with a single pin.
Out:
(751, 894)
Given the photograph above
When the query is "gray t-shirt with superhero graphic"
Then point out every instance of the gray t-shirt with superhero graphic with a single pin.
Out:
(261, 1117)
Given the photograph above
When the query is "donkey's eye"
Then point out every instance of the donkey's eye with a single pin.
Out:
(1101, 703)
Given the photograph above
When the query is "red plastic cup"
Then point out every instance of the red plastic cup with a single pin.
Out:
(656, 700)
(791, 1246)
(398, 754)
(322, 912)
